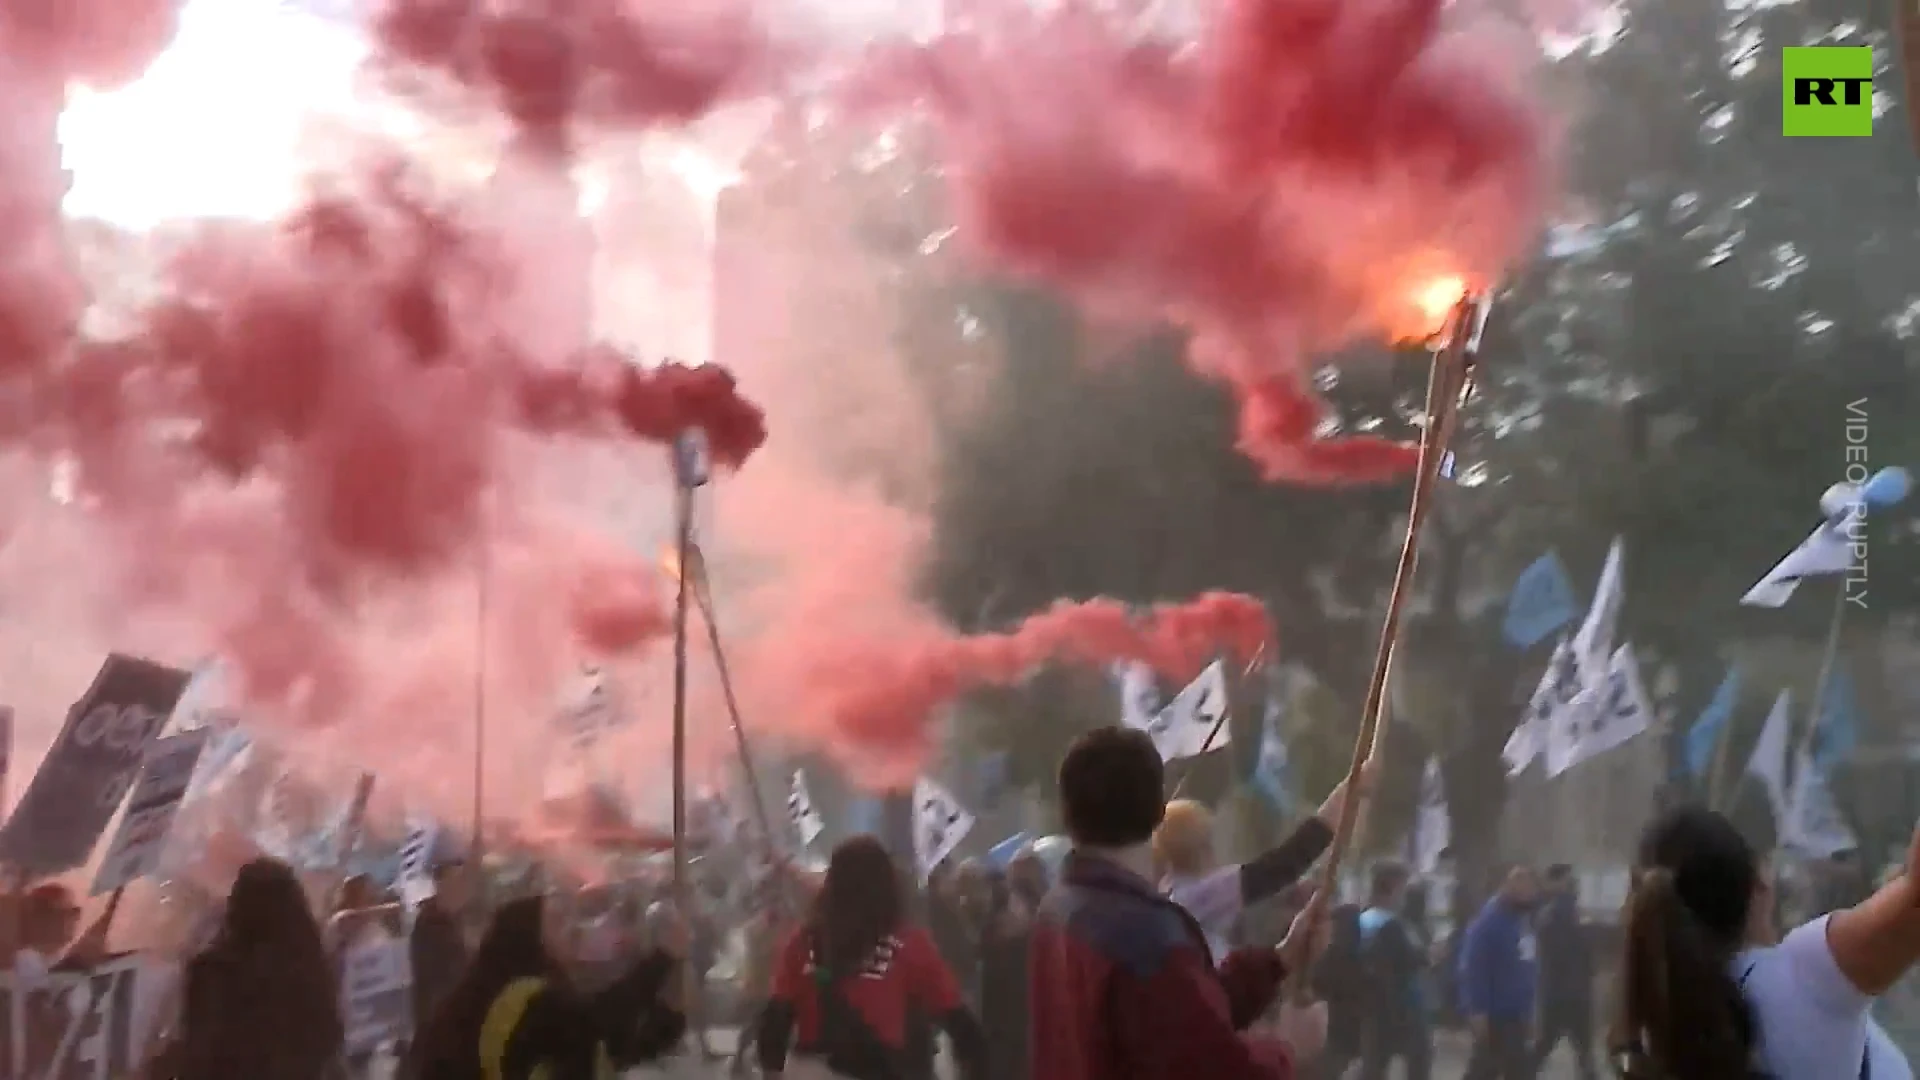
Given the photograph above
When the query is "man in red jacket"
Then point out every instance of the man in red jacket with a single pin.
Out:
(1123, 984)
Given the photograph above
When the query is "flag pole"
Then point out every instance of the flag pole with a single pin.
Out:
(483, 573)
(689, 472)
(1722, 753)
(683, 515)
(703, 598)
(1449, 380)
(1828, 657)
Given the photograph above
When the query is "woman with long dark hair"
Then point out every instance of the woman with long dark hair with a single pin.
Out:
(1706, 994)
(514, 1014)
(260, 1001)
(854, 983)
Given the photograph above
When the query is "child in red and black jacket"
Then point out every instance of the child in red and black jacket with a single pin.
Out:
(1123, 983)
(853, 983)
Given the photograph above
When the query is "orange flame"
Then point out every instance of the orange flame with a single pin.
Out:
(670, 563)
(1435, 299)
(1415, 308)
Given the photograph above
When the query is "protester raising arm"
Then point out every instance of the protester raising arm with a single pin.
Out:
(1215, 895)
(1877, 941)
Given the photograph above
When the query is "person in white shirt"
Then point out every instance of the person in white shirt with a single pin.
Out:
(1708, 994)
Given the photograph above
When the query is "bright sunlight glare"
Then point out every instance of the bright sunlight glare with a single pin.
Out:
(213, 129)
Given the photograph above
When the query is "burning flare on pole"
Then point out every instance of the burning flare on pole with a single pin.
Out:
(1459, 320)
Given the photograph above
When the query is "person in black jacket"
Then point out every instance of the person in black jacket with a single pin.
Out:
(1394, 953)
(1340, 980)
(1566, 972)
(260, 1002)
(514, 1013)
(437, 947)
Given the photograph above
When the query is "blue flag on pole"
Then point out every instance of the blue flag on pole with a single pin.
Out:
(1839, 722)
(1542, 602)
(1705, 733)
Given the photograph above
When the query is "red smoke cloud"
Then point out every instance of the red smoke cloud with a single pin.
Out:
(1284, 187)
(551, 64)
(302, 419)
(881, 696)
(337, 382)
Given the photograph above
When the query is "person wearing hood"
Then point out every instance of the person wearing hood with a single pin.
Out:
(514, 1014)
(260, 1001)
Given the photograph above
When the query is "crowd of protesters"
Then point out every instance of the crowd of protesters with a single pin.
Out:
(1141, 956)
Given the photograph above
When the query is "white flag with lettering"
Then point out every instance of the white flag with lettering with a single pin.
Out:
(1547, 709)
(1192, 723)
(1593, 642)
(806, 820)
(1813, 825)
(1139, 694)
(1601, 717)
(939, 824)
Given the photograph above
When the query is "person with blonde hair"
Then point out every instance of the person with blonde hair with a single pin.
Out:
(1215, 895)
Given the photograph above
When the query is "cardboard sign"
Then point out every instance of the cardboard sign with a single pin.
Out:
(376, 991)
(91, 767)
(142, 835)
(79, 1025)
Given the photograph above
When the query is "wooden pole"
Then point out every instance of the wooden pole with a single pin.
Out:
(483, 588)
(682, 886)
(702, 585)
(1717, 777)
(1448, 379)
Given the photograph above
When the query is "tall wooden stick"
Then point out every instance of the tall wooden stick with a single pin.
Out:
(1717, 777)
(483, 570)
(1447, 381)
(682, 882)
(703, 598)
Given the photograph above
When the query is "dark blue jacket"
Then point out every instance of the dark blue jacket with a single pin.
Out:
(1499, 964)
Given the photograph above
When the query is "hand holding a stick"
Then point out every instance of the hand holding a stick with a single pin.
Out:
(1302, 1022)
(1307, 937)
(1336, 802)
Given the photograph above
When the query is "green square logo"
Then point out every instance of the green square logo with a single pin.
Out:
(1827, 91)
